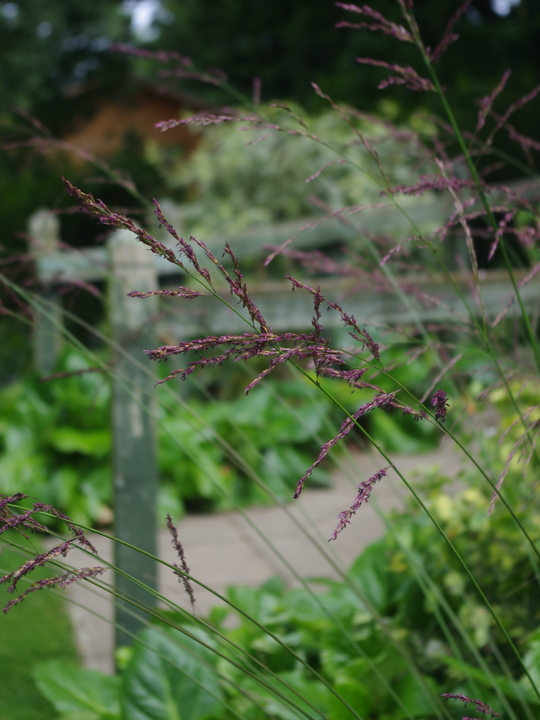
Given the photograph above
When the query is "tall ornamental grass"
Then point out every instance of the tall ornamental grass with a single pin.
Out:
(340, 653)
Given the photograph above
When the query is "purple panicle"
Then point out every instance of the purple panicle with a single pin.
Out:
(182, 292)
(430, 182)
(439, 401)
(361, 335)
(486, 103)
(449, 36)
(406, 76)
(91, 206)
(480, 706)
(364, 493)
(183, 571)
(61, 581)
(11, 520)
(378, 22)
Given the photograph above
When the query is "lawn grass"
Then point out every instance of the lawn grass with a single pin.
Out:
(36, 630)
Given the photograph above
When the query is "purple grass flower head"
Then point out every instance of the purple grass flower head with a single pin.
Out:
(97, 208)
(449, 36)
(364, 493)
(181, 571)
(62, 581)
(480, 706)
(486, 103)
(439, 401)
(16, 521)
(361, 335)
(183, 246)
(239, 288)
(430, 182)
(12, 520)
(406, 76)
(35, 562)
(78, 534)
(378, 22)
(202, 120)
(501, 229)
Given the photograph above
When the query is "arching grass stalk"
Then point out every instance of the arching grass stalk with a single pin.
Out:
(325, 554)
(475, 176)
(28, 297)
(148, 609)
(452, 547)
(384, 186)
(151, 612)
(411, 80)
(438, 706)
(242, 347)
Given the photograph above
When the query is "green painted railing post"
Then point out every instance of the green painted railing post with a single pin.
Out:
(134, 442)
(44, 231)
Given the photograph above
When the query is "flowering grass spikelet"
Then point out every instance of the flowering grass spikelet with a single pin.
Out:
(480, 706)
(16, 521)
(62, 581)
(439, 401)
(183, 570)
(364, 493)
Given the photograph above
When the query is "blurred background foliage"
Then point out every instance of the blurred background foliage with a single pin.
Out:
(53, 49)
(239, 176)
(59, 66)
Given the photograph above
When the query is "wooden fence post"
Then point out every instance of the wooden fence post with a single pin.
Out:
(44, 231)
(134, 442)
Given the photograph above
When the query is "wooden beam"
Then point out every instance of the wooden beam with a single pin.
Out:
(44, 231)
(134, 442)
(432, 298)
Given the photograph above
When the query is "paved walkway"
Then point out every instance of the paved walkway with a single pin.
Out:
(228, 549)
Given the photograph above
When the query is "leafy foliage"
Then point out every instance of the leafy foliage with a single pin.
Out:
(56, 442)
(402, 628)
(238, 179)
(169, 676)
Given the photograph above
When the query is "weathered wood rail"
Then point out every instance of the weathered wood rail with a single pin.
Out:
(126, 265)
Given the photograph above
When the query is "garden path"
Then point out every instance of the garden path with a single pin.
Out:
(226, 548)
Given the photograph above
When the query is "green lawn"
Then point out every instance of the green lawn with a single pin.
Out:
(36, 630)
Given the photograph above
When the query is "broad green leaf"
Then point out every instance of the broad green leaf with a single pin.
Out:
(356, 694)
(73, 690)
(310, 692)
(95, 443)
(416, 698)
(170, 677)
(258, 603)
(369, 575)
